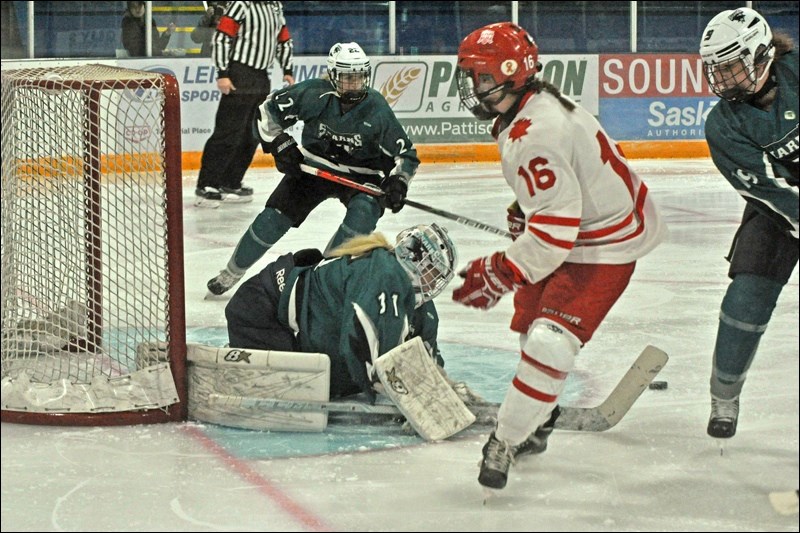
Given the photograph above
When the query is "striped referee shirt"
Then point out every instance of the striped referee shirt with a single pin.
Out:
(254, 34)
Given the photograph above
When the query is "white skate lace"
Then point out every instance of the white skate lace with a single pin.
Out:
(498, 456)
(724, 409)
(226, 278)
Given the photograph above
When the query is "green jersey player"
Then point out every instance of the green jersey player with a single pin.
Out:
(753, 137)
(360, 303)
(348, 129)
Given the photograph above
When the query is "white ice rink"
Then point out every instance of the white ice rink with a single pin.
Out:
(655, 471)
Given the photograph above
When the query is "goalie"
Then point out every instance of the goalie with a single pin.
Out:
(361, 303)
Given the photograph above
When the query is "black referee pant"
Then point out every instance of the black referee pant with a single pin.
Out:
(231, 147)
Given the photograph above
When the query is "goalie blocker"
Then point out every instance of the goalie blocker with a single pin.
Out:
(223, 382)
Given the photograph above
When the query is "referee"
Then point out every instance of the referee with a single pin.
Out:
(249, 37)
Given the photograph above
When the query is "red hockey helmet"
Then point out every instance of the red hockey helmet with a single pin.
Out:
(493, 61)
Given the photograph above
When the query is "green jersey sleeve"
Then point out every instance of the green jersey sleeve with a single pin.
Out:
(364, 143)
(425, 324)
(757, 150)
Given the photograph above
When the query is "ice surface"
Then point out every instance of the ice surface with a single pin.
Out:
(656, 471)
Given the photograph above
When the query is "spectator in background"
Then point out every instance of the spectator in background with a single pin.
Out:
(250, 36)
(203, 34)
(133, 32)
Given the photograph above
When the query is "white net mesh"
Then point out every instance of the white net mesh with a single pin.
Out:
(85, 227)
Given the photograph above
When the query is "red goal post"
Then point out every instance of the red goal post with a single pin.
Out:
(93, 310)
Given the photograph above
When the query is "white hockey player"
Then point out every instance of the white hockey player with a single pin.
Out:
(586, 218)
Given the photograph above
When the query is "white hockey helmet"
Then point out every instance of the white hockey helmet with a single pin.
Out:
(350, 71)
(735, 44)
(428, 255)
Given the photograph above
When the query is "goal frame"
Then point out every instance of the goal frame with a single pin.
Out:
(176, 327)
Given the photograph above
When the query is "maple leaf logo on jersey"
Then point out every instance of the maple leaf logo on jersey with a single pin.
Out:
(519, 129)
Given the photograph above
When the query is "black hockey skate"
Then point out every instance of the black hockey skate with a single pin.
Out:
(723, 419)
(537, 442)
(497, 459)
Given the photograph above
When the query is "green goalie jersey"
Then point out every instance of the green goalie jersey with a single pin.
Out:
(366, 143)
(757, 150)
(355, 310)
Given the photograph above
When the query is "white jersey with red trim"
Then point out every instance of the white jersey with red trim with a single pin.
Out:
(582, 201)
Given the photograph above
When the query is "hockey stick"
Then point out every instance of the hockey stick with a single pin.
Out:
(599, 418)
(616, 405)
(374, 190)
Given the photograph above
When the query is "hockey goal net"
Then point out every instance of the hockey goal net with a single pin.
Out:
(92, 245)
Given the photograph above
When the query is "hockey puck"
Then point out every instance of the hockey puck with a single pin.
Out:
(658, 385)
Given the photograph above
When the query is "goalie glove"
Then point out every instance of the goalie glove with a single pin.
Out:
(486, 280)
(286, 154)
(516, 220)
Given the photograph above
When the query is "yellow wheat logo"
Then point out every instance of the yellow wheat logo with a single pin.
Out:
(393, 87)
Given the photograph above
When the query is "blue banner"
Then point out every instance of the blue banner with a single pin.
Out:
(655, 119)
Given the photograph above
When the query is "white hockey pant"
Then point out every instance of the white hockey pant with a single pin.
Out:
(548, 356)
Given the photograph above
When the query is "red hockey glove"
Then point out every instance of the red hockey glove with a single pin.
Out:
(486, 280)
(516, 220)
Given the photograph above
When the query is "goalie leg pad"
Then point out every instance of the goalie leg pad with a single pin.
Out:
(548, 355)
(236, 373)
(411, 380)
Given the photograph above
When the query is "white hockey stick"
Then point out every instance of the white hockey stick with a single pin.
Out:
(599, 418)
(618, 403)
(785, 502)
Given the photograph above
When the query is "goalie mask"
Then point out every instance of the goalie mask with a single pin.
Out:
(737, 52)
(428, 255)
(493, 62)
(350, 72)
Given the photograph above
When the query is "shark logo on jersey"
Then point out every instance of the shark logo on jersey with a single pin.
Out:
(343, 142)
(235, 356)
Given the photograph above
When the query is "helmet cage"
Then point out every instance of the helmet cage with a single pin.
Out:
(350, 72)
(735, 79)
(736, 44)
(480, 104)
(428, 255)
